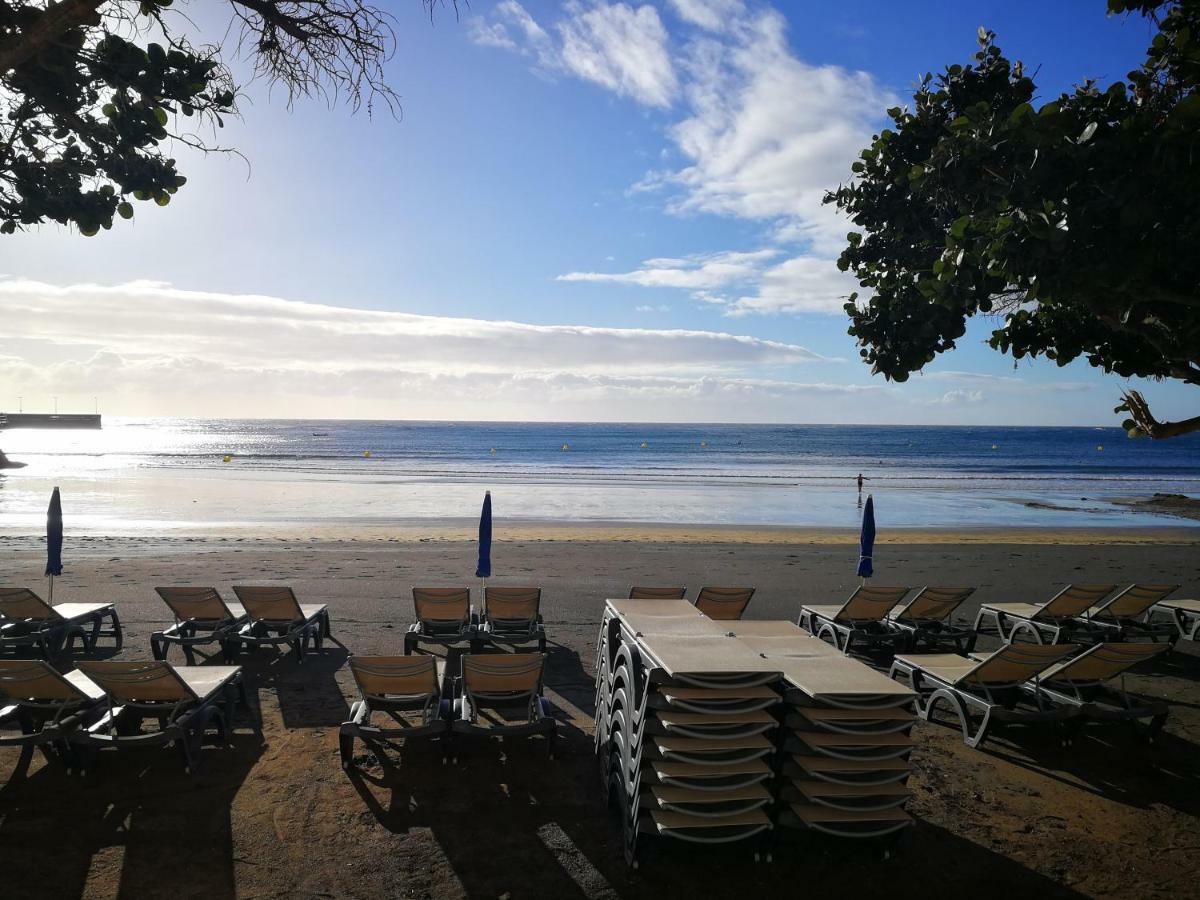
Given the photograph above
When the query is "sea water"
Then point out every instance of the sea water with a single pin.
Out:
(164, 475)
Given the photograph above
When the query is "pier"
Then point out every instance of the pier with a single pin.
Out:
(49, 420)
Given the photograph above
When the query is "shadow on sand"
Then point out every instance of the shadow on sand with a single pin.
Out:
(138, 826)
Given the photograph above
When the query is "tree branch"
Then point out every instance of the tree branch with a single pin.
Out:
(1148, 425)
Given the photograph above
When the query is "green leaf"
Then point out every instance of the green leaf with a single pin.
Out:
(959, 228)
(1086, 134)
(125, 209)
(160, 115)
(960, 122)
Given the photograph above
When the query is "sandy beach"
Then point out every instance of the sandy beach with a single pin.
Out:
(1107, 817)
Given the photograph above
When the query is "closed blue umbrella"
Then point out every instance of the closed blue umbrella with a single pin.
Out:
(866, 540)
(483, 569)
(54, 538)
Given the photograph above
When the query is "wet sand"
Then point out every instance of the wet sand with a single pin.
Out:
(1108, 816)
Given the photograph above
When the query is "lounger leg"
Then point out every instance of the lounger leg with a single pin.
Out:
(158, 646)
(408, 644)
(118, 634)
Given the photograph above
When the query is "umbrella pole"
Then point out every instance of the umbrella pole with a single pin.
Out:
(51, 580)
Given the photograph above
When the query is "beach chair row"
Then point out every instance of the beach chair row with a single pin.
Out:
(71, 716)
(494, 695)
(872, 617)
(714, 733)
(721, 603)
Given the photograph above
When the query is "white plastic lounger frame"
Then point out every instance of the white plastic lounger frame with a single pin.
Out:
(275, 616)
(1128, 614)
(990, 687)
(1047, 623)
(202, 617)
(927, 620)
(512, 617)
(395, 685)
(494, 682)
(1184, 616)
(1085, 682)
(26, 620)
(184, 703)
(45, 706)
(444, 616)
(860, 622)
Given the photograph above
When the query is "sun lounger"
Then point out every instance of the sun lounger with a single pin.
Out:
(859, 622)
(202, 617)
(927, 620)
(1184, 616)
(501, 694)
(990, 687)
(1057, 618)
(275, 616)
(511, 616)
(394, 685)
(28, 621)
(724, 603)
(1085, 683)
(184, 703)
(45, 706)
(444, 616)
(1126, 615)
(657, 593)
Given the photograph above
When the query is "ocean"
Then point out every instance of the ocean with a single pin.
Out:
(170, 475)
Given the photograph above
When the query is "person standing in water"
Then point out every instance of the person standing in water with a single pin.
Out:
(860, 481)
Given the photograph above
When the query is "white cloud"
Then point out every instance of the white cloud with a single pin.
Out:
(620, 48)
(661, 308)
(489, 34)
(153, 349)
(617, 46)
(712, 15)
(768, 133)
(798, 285)
(803, 284)
(698, 272)
(958, 397)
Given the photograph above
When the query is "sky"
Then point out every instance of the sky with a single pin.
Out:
(586, 211)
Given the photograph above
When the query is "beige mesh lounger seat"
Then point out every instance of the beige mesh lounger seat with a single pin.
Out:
(444, 616)
(394, 686)
(492, 684)
(275, 616)
(184, 703)
(1057, 618)
(202, 617)
(26, 620)
(638, 592)
(1127, 614)
(1184, 616)
(989, 687)
(45, 707)
(512, 616)
(724, 603)
(859, 622)
(1085, 682)
(927, 620)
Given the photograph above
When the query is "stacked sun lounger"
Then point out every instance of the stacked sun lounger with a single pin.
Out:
(846, 739)
(684, 725)
(719, 731)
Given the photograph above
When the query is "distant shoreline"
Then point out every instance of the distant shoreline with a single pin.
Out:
(511, 531)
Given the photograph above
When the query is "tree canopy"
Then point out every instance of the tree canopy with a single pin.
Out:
(1075, 222)
(95, 93)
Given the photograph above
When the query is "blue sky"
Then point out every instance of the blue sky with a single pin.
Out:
(588, 210)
